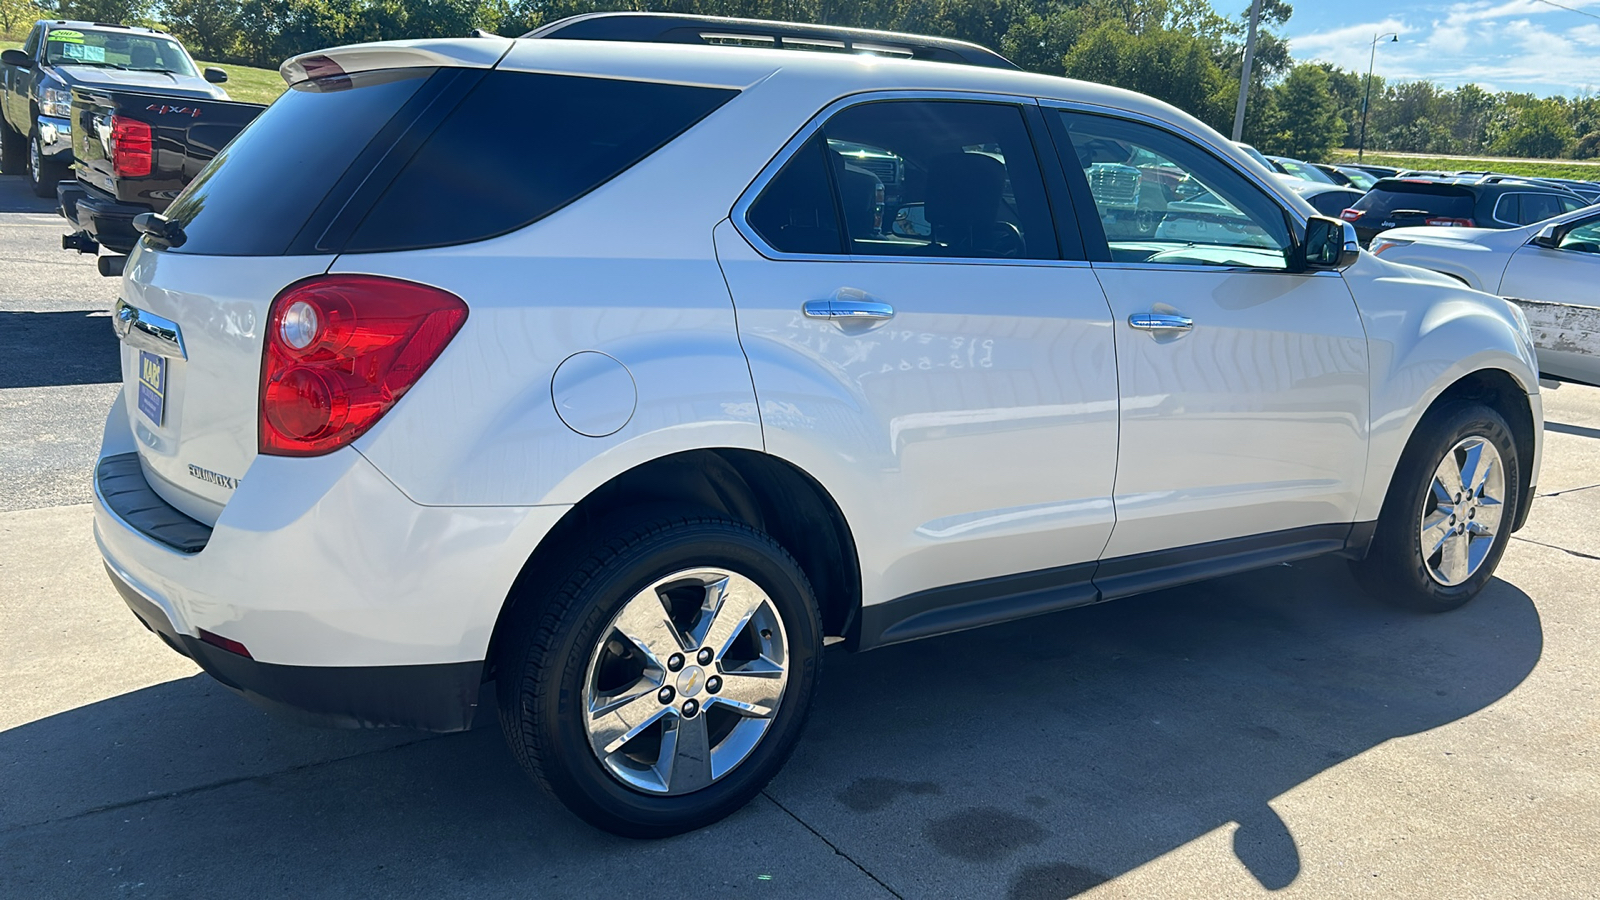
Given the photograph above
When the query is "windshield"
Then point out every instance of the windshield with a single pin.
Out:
(1358, 178)
(1304, 171)
(116, 50)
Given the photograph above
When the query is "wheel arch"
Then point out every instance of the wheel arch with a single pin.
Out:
(748, 486)
(1503, 392)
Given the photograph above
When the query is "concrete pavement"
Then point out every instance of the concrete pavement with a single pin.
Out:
(1270, 733)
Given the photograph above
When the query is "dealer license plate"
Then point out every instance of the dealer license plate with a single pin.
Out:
(152, 385)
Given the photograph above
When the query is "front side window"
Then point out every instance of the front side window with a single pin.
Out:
(1583, 239)
(918, 178)
(31, 46)
(1161, 199)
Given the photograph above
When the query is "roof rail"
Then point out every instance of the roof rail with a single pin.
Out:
(670, 28)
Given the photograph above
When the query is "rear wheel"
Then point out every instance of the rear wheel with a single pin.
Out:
(43, 173)
(667, 680)
(1448, 516)
(13, 151)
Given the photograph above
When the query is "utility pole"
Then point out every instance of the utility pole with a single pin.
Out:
(1361, 148)
(1244, 76)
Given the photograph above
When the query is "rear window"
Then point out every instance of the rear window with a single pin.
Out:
(254, 197)
(1417, 198)
(407, 167)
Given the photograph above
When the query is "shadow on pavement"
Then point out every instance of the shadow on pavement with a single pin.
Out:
(1578, 430)
(1039, 758)
(16, 196)
(45, 349)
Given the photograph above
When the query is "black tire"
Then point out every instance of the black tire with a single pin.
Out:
(13, 151)
(543, 662)
(50, 172)
(1395, 570)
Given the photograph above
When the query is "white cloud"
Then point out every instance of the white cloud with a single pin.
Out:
(1510, 45)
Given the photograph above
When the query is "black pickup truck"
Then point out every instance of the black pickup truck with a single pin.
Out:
(135, 151)
(36, 81)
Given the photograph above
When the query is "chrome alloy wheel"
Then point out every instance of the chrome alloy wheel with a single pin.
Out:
(1461, 510)
(685, 681)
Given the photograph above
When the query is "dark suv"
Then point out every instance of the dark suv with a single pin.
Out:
(1405, 202)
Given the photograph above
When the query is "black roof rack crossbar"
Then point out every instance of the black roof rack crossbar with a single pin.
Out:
(670, 28)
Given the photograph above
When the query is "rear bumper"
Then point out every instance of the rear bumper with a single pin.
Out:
(441, 697)
(102, 217)
(356, 606)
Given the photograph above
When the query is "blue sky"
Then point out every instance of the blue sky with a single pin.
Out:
(1521, 45)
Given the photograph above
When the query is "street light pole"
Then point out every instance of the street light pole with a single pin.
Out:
(1361, 148)
(1244, 76)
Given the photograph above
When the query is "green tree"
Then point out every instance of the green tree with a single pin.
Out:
(120, 12)
(1309, 124)
(210, 28)
(17, 16)
(1541, 131)
(1588, 146)
(1167, 65)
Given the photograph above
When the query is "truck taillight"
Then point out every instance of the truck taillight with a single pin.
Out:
(132, 147)
(1448, 222)
(340, 351)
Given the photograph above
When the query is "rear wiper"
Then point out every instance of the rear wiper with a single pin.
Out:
(1410, 212)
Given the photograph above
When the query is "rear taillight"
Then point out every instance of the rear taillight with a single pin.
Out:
(340, 351)
(132, 147)
(1350, 215)
(1447, 222)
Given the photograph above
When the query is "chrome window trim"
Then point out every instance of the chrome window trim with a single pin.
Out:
(1495, 215)
(1190, 267)
(741, 207)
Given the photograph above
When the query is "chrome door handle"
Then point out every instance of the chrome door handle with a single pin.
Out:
(849, 309)
(1160, 322)
(147, 331)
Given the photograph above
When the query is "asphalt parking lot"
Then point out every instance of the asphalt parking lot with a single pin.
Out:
(1277, 732)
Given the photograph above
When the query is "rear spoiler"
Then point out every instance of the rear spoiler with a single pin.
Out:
(461, 53)
(670, 28)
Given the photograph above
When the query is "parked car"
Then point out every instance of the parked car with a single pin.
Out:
(36, 82)
(136, 150)
(372, 451)
(1380, 171)
(1451, 203)
(1349, 176)
(1327, 199)
(1300, 169)
(1551, 269)
(1256, 155)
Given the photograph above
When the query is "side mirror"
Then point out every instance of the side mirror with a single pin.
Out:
(1329, 244)
(1549, 237)
(215, 75)
(15, 57)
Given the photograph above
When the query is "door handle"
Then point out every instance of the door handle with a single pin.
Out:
(848, 304)
(1160, 322)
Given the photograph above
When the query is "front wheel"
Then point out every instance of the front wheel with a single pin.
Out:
(1447, 519)
(667, 680)
(43, 173)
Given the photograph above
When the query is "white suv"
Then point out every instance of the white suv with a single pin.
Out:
(628, 375)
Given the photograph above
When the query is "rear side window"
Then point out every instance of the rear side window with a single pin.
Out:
(1417, 198)
(521, 146)
(922, 178)
(411, 158)
(1526, 208)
